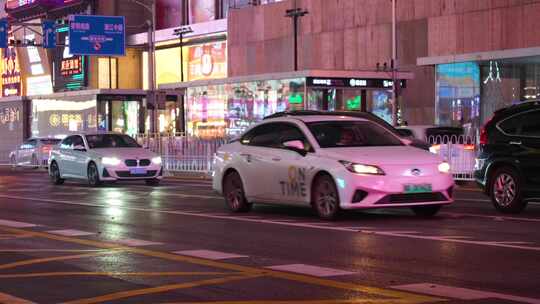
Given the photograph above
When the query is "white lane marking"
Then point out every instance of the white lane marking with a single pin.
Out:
(311, 270)
(70, 232)
(15, 224)
(135, 242)
(454, 240)
(493, 217)
(461, 293)
(6, 298)
(210, 254)
(229, 217)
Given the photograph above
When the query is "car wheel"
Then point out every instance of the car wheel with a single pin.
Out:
(93, 175)
(13, 161)
(426, 211)
(233, 190)
(152, 182)
(505, 189)
(54, 173)
(325, 198)
(35, 162)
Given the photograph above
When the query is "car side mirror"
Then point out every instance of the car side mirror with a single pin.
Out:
(406, 141)
(296, 146)
(79, 148)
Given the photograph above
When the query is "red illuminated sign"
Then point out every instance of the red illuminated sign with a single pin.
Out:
(71, 66)
(14, 4)
(11, 73)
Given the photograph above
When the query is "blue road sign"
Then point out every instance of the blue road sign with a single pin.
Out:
(97, 35)
(3, 33)
(49, 34)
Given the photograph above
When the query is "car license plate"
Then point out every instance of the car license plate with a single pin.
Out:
(417, 188)
(137, 171)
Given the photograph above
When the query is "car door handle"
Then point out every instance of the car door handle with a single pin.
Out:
(515, 143)
(246, 156)
(276, 159)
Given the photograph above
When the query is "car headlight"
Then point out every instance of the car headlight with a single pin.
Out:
(157, 160)
(110, 161)
(362, 168)
(444, 167)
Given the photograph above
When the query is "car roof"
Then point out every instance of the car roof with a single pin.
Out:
(317, 118)
(520, 107)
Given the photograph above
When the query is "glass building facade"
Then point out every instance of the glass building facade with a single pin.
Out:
(468, 93)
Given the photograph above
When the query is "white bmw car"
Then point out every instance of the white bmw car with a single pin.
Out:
(103, 157)
(331, 163)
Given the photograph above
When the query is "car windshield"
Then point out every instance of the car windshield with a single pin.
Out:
(100, 141)
(333, 134)
(50, 141)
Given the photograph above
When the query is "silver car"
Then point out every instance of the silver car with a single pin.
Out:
(33, 152)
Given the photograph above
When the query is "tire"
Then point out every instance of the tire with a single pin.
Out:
(54, 173)
(505, 191)
(233, 191)
(93, 175)
(152, 182)
(325, 198)
(35, 162)
(426, 211)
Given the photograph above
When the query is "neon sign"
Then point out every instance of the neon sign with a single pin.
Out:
(15, 4)
(11, 73)
(10, 115)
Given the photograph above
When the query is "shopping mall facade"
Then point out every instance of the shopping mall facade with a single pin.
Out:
(458, 61)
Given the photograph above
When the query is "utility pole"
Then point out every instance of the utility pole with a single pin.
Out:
(180, 32)
(394, 66)
(295, 14)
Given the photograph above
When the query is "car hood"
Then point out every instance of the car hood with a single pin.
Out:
(125, 153)
(395, 155)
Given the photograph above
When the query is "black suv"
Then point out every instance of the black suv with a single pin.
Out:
(508, 166)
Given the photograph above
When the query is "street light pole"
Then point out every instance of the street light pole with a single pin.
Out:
(395, 82)
(150, 6)
(295, 14)
(180, 32)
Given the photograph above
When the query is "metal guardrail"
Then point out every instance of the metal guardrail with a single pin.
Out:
(459, 151)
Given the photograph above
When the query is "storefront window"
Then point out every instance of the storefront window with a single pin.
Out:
(167, 118)
(508, 82)
(458, 95)
(125, 116)
(380, 104)
(107, 77)
(58, 118)
(227, 110)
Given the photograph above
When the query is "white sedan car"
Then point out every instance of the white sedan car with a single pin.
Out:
(33, 152)
(330, 163)
(103, 157)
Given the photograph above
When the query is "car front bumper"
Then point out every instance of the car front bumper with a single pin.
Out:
(113, 173)
(364, 191)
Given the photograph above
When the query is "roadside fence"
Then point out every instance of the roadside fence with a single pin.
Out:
(459, 151)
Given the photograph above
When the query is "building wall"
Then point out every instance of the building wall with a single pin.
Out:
(129, 70)
(356, 35)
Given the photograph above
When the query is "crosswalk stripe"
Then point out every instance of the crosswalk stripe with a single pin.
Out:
(311, 270)
(70, 232)
(210, 254)
(15, 224)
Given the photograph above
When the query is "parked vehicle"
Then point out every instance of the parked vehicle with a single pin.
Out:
(33, 152)
(508, 166)
(103, 157)
(330, 162)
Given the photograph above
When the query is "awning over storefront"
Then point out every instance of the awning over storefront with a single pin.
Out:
(480, 56)
(322, 74)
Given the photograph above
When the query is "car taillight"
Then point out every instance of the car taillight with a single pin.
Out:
(484, 133)
(469, 147)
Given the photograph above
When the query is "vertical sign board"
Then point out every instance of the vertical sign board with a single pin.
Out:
(11, 73)
(49, 34)
(97, 35)
(3, 33)
(69, 70)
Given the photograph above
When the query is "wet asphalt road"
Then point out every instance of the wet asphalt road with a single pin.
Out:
(176, 243)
